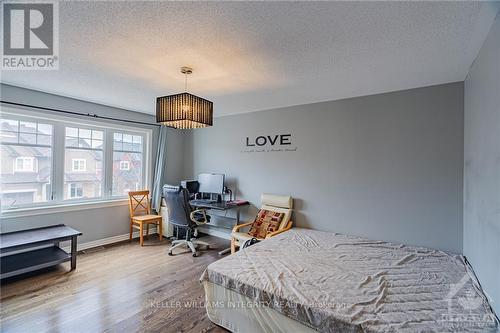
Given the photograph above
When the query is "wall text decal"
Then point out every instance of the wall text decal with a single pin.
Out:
(284, 139)
(269, 144)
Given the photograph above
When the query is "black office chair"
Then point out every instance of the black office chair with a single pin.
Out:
(182, 215)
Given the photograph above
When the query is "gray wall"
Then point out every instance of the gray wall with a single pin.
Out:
(101, 222)
(482, 165)
(387, 166)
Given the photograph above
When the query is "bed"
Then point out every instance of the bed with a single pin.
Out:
(309, 281)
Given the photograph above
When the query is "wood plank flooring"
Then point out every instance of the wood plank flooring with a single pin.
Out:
(121, 288)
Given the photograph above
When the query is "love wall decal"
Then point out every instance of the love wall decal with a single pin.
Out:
(269, 144)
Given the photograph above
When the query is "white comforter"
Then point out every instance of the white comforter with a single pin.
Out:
(333, 282)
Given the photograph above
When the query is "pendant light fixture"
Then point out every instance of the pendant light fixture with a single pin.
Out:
(184, 110)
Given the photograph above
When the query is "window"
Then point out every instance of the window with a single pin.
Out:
(75, 190)
(79, 164)
(26, 161)
(24, 164)
(82, 145)
(51, 160)
(124, 165)
(127, 163)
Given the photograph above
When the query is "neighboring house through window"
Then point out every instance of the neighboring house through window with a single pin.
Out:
(75, 190)
(128, 155)
(26, 160)
(79, 164)
(84, 148)
(124, 165)
(24, 164)
(19, 197)
(46, 159)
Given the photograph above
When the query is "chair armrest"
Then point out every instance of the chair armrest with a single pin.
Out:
(202, 211)
(274, 233)
(239, 226)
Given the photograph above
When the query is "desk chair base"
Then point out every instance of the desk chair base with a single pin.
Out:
(191, 244)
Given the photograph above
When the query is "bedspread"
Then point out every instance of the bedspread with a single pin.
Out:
(335, 282)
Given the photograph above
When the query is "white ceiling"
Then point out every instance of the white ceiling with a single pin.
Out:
(252, 55)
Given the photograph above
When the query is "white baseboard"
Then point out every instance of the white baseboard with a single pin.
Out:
(123, 237)
(106, 241)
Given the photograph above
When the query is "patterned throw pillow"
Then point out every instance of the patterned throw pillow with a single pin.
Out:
(266, 221)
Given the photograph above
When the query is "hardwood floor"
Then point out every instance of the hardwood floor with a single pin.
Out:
(121, 288)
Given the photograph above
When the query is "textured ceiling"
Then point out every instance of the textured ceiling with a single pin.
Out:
(252, 55)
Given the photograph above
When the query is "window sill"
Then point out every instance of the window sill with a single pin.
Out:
(61, 208)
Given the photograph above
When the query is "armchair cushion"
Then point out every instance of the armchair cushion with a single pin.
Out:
(282, 201)
(287, 214)
(266, 221)
(278, 203)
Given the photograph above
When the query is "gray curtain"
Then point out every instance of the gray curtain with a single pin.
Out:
(160, 165)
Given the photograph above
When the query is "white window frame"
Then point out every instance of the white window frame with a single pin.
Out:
(24, 169)
(123, 164)
(59, 122)
(81, 165)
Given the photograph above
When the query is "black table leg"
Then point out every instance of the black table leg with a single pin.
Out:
(73, 252)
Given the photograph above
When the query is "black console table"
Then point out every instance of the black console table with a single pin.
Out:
(36, 254)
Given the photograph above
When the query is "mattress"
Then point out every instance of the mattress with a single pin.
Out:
(240, 314)
(332, 282)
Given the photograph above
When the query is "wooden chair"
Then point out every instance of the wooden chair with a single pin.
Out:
(275, 203)
(140, 215)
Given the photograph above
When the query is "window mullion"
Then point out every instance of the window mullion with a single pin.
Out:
(147, 181)
(108, 163)
(58, 163)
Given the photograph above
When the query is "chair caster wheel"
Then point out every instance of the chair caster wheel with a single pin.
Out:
(170, 254)
(195, 254)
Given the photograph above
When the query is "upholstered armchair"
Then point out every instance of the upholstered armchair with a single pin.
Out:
(274, 217)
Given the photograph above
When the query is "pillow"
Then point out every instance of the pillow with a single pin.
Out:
(266, 221)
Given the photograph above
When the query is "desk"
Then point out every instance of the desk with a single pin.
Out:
(221, 206)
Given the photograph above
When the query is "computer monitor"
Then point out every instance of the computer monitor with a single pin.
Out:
(211, 183)
(190, 185)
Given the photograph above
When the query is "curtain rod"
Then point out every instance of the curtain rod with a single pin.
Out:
(80, 114)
